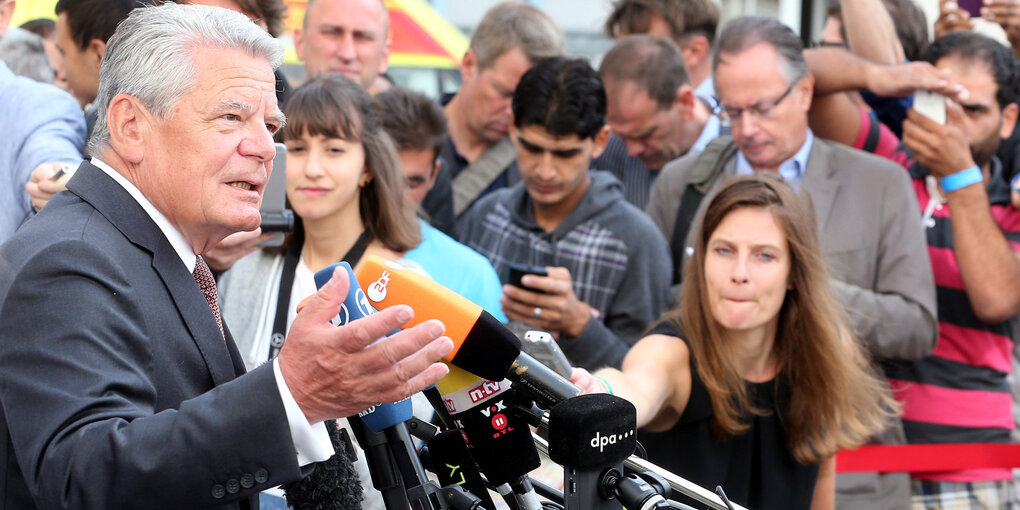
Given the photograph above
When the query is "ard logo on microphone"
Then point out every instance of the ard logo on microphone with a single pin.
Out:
(377, 290)
(600, 441)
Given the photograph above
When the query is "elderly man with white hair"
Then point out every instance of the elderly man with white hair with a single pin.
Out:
(121, 385)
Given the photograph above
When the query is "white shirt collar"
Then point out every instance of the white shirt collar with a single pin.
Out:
(176, 238)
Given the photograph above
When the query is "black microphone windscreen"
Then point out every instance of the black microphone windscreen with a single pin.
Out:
(592, 431)
(501, 442)
(453, 465)
(489, 349)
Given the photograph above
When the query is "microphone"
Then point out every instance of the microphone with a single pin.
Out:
(453, 465)
(499, 440)
(380, 430)
(482, 345)
(591, 436)
(356, 306)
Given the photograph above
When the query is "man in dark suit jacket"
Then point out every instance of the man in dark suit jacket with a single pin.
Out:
(119, 387)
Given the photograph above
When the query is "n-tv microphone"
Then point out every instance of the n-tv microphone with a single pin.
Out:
(499, 440)
(482, 345)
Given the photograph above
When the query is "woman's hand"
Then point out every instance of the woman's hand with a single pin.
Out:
(586, 382)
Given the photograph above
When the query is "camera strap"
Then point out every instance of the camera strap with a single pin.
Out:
(290, 262)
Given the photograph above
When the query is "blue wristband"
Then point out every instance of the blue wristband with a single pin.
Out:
(1015, 184)
(961, 179)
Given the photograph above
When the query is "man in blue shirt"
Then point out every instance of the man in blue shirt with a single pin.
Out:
(43, 125)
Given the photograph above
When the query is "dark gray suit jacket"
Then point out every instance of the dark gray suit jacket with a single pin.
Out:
(871, 233)
(116, 388)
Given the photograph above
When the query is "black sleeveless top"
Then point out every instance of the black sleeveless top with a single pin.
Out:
(756, 468)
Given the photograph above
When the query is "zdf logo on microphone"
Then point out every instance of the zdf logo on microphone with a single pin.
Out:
(377, 289)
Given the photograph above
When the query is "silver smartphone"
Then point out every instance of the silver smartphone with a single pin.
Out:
(541, 346)
(931, 105)
(276, 218)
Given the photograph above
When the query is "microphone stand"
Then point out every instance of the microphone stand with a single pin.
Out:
(677, 483)
(397, 472)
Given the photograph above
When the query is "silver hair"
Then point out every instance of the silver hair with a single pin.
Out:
(25, 55)
(151, 56)
(742, 33)
(511, 25)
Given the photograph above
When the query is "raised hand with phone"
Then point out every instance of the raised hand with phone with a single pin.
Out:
(943, 148)
(547, 302)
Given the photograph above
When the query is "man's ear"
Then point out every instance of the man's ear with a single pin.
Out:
(435, 169)
(6, 13)
(1009, 116)
(130, 125)
(695, 50)
(98, 47)
(468, 65)
(685, 100)
(384, 62)
(601, 140)
(299, 47)
(807, 86)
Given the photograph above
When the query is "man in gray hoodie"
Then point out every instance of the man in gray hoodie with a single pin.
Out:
(608, 266)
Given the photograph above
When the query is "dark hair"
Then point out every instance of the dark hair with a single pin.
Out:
(975, 47)
(747, 31)
(653, 63)
(273, 12)
(685, 17)
(43, 27)
(908, 18)
(334, 106)
(564, 96)
(412, 120)
(95, 19)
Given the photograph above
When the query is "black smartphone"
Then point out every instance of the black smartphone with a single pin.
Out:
(276, 217)
(517, 271)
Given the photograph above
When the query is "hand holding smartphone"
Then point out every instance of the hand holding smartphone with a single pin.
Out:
(517, 271)
(931, 105)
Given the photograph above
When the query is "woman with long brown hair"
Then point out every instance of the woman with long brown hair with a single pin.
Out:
(753, 375)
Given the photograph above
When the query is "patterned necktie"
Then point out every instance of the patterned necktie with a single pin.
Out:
(207, 283)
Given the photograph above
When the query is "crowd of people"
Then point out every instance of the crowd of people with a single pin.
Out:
(766, 248)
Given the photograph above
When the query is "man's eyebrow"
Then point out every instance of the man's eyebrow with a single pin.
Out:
(233, 105)
(279, 117)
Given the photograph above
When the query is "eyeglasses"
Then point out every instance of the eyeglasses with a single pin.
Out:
(760, 110)
(829, 44)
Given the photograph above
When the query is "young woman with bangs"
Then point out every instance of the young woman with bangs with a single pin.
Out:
(346, 189)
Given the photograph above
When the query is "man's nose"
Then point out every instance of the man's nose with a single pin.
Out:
(346, 49)
(546, 169)
(259, 144)
(634, 148)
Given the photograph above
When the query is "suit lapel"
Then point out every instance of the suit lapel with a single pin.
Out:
(195, 312)
(818, 182)
(114, 202)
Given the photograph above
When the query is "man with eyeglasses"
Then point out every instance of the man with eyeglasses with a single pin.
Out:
(865, 208)
(654, 111)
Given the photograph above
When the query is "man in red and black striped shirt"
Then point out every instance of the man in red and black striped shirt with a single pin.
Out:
(960, 393)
